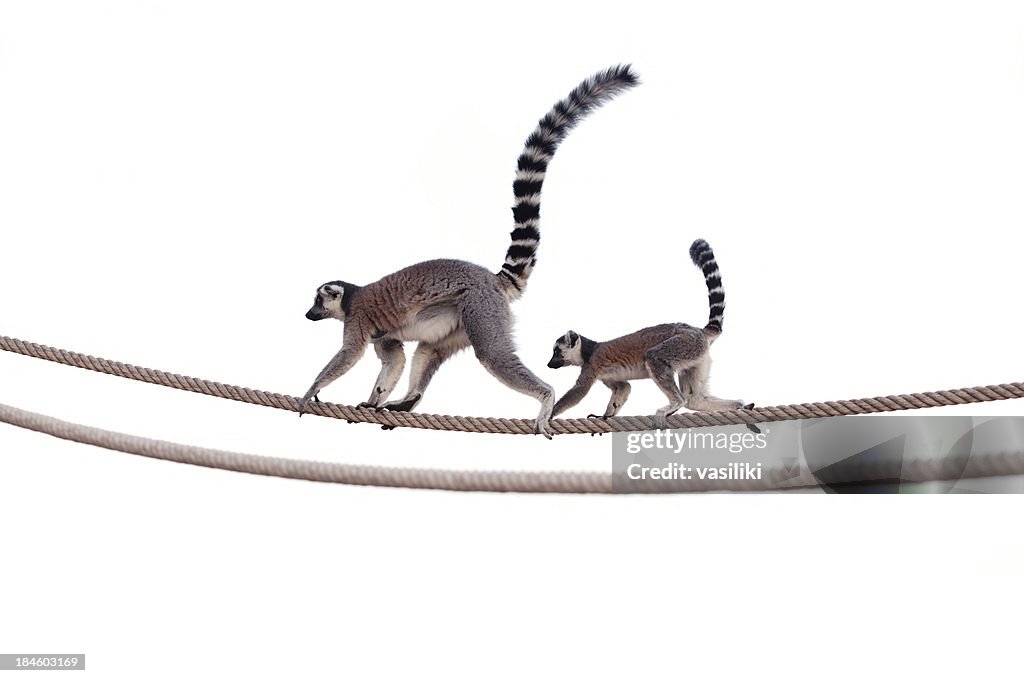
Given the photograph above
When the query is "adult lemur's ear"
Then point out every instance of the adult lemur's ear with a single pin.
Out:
(333, 289)
(571, 338)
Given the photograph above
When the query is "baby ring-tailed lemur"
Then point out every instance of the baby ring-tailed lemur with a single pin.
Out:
(661, 353)
(448, 305)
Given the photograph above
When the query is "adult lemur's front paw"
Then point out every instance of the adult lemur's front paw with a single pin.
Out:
(369, 405)
(542, 426)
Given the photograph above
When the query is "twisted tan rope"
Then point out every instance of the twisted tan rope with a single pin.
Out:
(524, 482)
(521, 482)
(860, 406)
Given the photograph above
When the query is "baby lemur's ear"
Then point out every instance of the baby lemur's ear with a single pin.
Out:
(571, 338)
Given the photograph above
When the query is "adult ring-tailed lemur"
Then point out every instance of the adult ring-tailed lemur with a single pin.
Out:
(448, 305)
(675, 355)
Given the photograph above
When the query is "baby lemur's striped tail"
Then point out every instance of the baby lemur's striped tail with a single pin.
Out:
(704, 258)
(533, 164)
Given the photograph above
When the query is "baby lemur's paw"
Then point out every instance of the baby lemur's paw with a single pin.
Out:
(749, 406)
(594, 416)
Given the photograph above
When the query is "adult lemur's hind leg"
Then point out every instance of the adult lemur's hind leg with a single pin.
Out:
(425, 362)
(693, 382)
(392, 362)
(620, 393)
(488, 324)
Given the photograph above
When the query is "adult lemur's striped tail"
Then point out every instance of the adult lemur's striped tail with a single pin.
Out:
(533, 164)
(704, 258)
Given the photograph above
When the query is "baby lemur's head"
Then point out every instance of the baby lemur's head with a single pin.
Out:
(333, 300)
(568, 351)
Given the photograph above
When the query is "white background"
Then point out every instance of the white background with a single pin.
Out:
(177, 178)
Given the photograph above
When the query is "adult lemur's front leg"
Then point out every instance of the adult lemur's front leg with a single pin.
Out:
(351, 351)
(392, 362)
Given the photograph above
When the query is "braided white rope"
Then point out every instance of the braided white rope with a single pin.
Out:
(521, 482)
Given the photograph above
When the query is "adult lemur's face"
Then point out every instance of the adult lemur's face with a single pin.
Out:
(328, 302)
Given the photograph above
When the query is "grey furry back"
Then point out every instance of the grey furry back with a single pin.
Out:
(533, 164)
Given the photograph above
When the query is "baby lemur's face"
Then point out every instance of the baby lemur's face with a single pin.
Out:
(568, 351)
(328, 302)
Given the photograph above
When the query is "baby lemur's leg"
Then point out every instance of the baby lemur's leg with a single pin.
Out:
(694, 384)
(620, 392)
(663, 361)
(392, 362)
(488, 324)
(425, 362)
(690, 381)
(576, 394)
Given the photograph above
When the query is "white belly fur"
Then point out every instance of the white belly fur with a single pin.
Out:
(625, 374)
(430, 325)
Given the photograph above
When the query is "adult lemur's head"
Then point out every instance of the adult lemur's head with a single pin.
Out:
(333, 300)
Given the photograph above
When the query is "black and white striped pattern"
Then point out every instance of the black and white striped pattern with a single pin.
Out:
(704, 258)
(533, 164)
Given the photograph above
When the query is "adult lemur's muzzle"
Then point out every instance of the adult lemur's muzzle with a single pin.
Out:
(316, 313)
